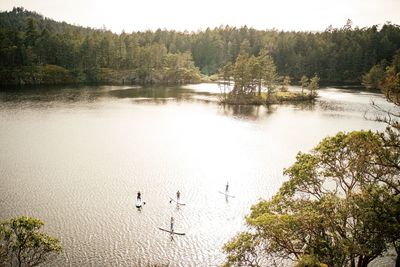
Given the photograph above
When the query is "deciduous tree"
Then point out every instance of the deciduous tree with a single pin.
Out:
(22, 243)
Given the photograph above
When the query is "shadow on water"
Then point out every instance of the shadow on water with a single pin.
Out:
(71, 94)
(66, 94)
(80, 170)
(162, 94)
(248, 112)
(153, 93)
(305, 106)
(251, 112)
(47, 96)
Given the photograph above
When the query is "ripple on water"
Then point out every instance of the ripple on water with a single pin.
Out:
(78, 164)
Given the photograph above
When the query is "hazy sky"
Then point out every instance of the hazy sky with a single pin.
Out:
(134, 15)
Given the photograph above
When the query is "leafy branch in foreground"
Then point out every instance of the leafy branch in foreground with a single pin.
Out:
(22, 244)
(337, 208)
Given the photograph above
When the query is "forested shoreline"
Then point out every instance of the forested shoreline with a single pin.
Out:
(38, 50)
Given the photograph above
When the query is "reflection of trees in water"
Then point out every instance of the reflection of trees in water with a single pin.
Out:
(331, 106)
(304, 105)
(154, 94)
(252, 112)
(50, 95)
(47, 94)
(68, 94)
(163, 95)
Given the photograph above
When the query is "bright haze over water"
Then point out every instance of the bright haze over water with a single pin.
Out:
(287, 15)
(76, 157)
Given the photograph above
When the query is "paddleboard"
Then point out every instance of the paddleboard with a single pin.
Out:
(177, 202)
(171, 232)
(227, 195)
(139, 203)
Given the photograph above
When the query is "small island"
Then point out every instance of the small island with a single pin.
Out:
(253, 80)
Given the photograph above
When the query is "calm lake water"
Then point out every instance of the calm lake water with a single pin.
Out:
(76, 157)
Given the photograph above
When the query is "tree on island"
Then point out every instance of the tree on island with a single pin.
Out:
(304, 83)
(285, 84)
(269, 72)
(251, 74)
(22, 244)
(313, 86)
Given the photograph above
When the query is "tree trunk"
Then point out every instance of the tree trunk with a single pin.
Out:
(19, 257)
(352, 262)
(359, 261)
(363, 261)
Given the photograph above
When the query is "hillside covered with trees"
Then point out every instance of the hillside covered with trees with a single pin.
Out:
(37, 50)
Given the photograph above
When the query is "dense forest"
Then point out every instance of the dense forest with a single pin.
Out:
(35, 49)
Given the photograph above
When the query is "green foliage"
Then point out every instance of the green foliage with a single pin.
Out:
(241, 74)
(391, 82)
(269, 72)
(285, 84)
(22, 244)
(374, 77)
(55, 75)
(314, 85)
(337, 55)
(62, 53)
(309, 261)
(250, 74)
(304, 82)
(337, 208)
(242, 250)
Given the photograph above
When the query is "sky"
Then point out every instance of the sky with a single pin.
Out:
(140, 15)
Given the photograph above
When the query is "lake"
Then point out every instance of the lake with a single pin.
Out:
(76, 157)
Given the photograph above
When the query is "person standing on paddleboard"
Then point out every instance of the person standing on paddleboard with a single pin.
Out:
(139, 196)
(227, 187)
(178, 196)
(172, 224)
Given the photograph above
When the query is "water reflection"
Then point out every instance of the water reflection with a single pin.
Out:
(248, 112)
(52, 96)
(154, 93)
(332, 101)
(75, 157)
(251, 112)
